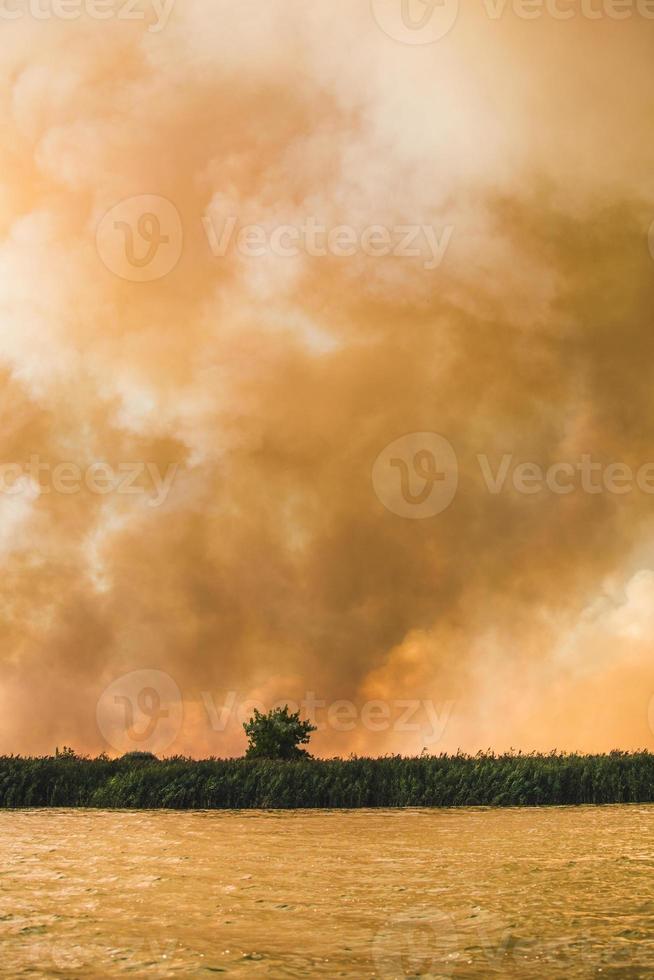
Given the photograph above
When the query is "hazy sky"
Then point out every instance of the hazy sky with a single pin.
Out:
(260, 377)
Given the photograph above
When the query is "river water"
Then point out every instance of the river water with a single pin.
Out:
(368, 893)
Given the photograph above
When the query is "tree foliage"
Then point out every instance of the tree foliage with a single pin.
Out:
(277, 735)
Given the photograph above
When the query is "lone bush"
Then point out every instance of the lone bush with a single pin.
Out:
(277, 735)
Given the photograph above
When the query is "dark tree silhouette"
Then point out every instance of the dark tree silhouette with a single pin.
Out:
(138, 758)
(277, 735)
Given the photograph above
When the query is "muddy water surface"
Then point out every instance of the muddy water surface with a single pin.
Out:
(460, 893)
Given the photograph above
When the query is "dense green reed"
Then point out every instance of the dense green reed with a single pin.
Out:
(141, 781)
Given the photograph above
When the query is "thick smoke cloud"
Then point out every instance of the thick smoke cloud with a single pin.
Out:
(269, 385)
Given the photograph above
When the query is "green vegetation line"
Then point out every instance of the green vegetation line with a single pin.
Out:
(139, 780)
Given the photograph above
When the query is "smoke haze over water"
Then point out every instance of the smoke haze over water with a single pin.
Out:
(268, 385)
